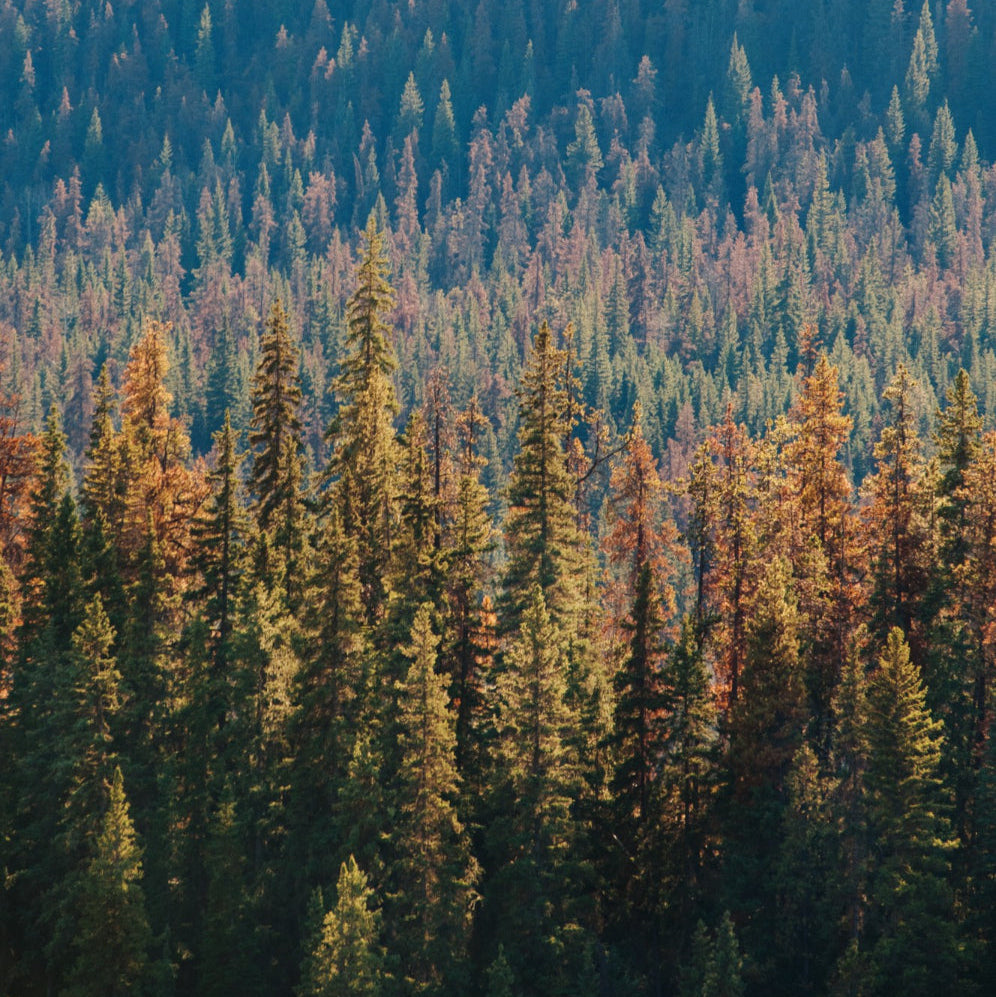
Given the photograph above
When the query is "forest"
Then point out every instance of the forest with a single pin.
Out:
(497, 499)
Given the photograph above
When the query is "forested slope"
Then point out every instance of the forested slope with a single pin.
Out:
(497, 499)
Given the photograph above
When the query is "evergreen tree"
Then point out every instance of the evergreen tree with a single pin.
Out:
(220, 535)
(346, 958)
(432, 873)
(467, 638)
(766, 728)
(823, 494)
(533, 892)
(899, 514)
(541, 534)
(911, 935)
(333, 697)
(112, 936)
(276, 477)
(363, 465)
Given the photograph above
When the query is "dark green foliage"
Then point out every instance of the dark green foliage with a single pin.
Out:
(276, 478)
(363, 466)
(910, 936)
(346, 958)
(417, 657)
(112, 936)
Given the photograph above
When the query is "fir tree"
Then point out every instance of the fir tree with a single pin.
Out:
(432, 874)
(911, 936)
(541, 535)
(112, 936)
(276, 477)
(364, 456)
(346, 959)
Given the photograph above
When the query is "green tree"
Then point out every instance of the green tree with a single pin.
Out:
(433, 873)
(220, 534)
(541, 535)
(911, 934)
(363, 464)
(346, 957)
(112, 935)
(533, 832)
(468, 636)
(277, 473)
(899, 515)
(584, 158)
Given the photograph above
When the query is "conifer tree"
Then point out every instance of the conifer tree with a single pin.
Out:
(346, 958)
(163, 492)
(911, 935)
(220, 535)
(955, 659)
(432, 873)
(541, 534)
(766, 728)
(683, 799)
(112, 935)
(224, 962)
(331, 699)
(823, 494)
(468, 634)
(363, 465)
(534, 833)
(899, 515)
(276, 477)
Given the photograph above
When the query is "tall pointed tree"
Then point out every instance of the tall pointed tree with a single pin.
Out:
(363, 465)
(541, 535)
(276, 477)
(112, 937)
(899, 516)
(432, 873)
(911, 934)
(346, 957)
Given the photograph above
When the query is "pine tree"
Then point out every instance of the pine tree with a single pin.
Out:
(684, 794)
(467, 636)
(276, 477)
(533, 831)
(766, 728)
(541, 535)
(363, 465)
(333, 699)
(347, 959)
(956, 656)
(639, 703)
(224, 961)
(911, 935)
(899, 514)
(112, 936)
(432, 874)
(220, 535)
(823, 494)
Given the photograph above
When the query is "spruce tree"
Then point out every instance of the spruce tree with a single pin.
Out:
(347, 959)
(533, 834)
(432, 873)
(911, 935)
(363, 464)
(220, 535)
(112, 935)
(468, 639)
(332, 700)
(276, 477)
(899, 516)
(542, 539)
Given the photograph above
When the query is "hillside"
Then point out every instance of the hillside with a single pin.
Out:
(497, 499)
